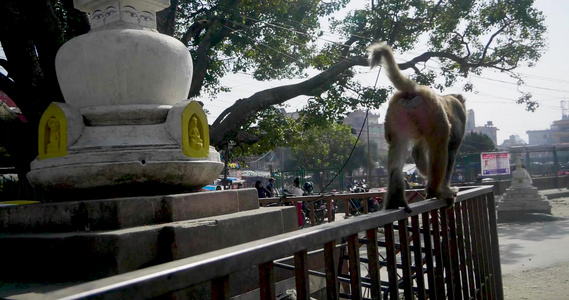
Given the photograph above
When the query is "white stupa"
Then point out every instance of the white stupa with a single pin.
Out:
(126, 127)
(521, 197)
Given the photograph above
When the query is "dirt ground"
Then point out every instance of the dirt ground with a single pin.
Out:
(551, 282)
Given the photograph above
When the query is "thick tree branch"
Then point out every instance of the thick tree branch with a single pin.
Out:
(194, 30)
(465, 65)
(354, 38)
(166, 19)
(236, 115)
(201, 62)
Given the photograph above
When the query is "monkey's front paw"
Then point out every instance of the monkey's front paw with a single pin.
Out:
(454, 190)
(450, 202)
(447, 193)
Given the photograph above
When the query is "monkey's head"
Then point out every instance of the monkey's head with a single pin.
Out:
(459, 97)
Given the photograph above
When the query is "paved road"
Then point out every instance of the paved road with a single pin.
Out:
(531, 246)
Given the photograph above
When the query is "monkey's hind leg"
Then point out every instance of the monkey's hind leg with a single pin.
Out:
(453, 146)
(420, 157)
(438, 160)
(396, 186)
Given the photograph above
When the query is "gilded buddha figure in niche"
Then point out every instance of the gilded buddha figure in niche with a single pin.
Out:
(53, 136)
(196, 141)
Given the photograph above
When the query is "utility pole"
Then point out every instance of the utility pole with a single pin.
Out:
(368, 152)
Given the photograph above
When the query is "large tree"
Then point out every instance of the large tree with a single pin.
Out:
(277, 39)
(320, 147)
(475, 142)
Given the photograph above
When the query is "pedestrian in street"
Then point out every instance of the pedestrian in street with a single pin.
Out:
(271, 187)
(262, 192)
(297, 191)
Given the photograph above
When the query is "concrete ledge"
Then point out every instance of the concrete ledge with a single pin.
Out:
(111, 214)
(72, 256)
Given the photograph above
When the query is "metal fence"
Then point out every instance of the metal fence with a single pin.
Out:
(432, 253)
(328, 178)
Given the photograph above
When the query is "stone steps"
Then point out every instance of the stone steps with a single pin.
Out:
(86, 240)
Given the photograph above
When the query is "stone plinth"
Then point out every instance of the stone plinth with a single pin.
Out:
(521, 198)
(123, 151)
(76, 241)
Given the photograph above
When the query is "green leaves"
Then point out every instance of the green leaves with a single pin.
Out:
(322, 146)
(476, 142)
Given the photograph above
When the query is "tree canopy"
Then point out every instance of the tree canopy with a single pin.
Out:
(277, 39)
(476, 142)
(323, 146)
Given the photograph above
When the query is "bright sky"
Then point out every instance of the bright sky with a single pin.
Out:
(495, 95)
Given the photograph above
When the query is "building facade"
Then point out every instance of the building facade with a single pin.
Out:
(489, 130)
(372, 130)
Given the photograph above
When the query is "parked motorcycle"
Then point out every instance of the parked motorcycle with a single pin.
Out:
(356, 207)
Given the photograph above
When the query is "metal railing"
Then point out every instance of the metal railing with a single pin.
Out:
(432, 253)
(330, 198)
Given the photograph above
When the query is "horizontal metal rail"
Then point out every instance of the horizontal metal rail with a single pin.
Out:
(216, 266)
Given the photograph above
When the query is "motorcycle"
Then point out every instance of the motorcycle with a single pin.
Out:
(373, 204)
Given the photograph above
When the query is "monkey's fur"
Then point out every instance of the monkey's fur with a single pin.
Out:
(434, 123)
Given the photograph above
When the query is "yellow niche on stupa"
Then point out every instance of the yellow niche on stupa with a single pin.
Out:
(52, 137)
(195, 131)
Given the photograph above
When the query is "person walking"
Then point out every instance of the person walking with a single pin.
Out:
(262, 192)
(271, 187)
(297, 191)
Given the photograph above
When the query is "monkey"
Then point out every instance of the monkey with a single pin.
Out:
(433, 123)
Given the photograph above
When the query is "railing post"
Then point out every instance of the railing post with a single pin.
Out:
(329, 211)
(301, 275)
(220, 288)
(331, 262)
(312, 214)
(373, 257)
(418, 255)
(468, 247)
(455, 263)
(405, 259)
(461, 250)
(496, 264)
(439, 276)
(476, 248)
(447, 261)
(267, 281)
(485, 243)
(354, 260)
(427, 238)
(391, 261)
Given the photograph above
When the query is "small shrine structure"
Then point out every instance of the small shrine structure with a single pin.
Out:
(521, 197)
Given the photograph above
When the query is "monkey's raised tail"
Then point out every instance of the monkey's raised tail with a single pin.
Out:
(381, 53)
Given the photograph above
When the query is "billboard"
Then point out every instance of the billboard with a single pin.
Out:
(495, 163)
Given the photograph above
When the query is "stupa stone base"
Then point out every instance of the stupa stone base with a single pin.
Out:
(517, 202)
(506, 216)
(77, 241)
(125, 150)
